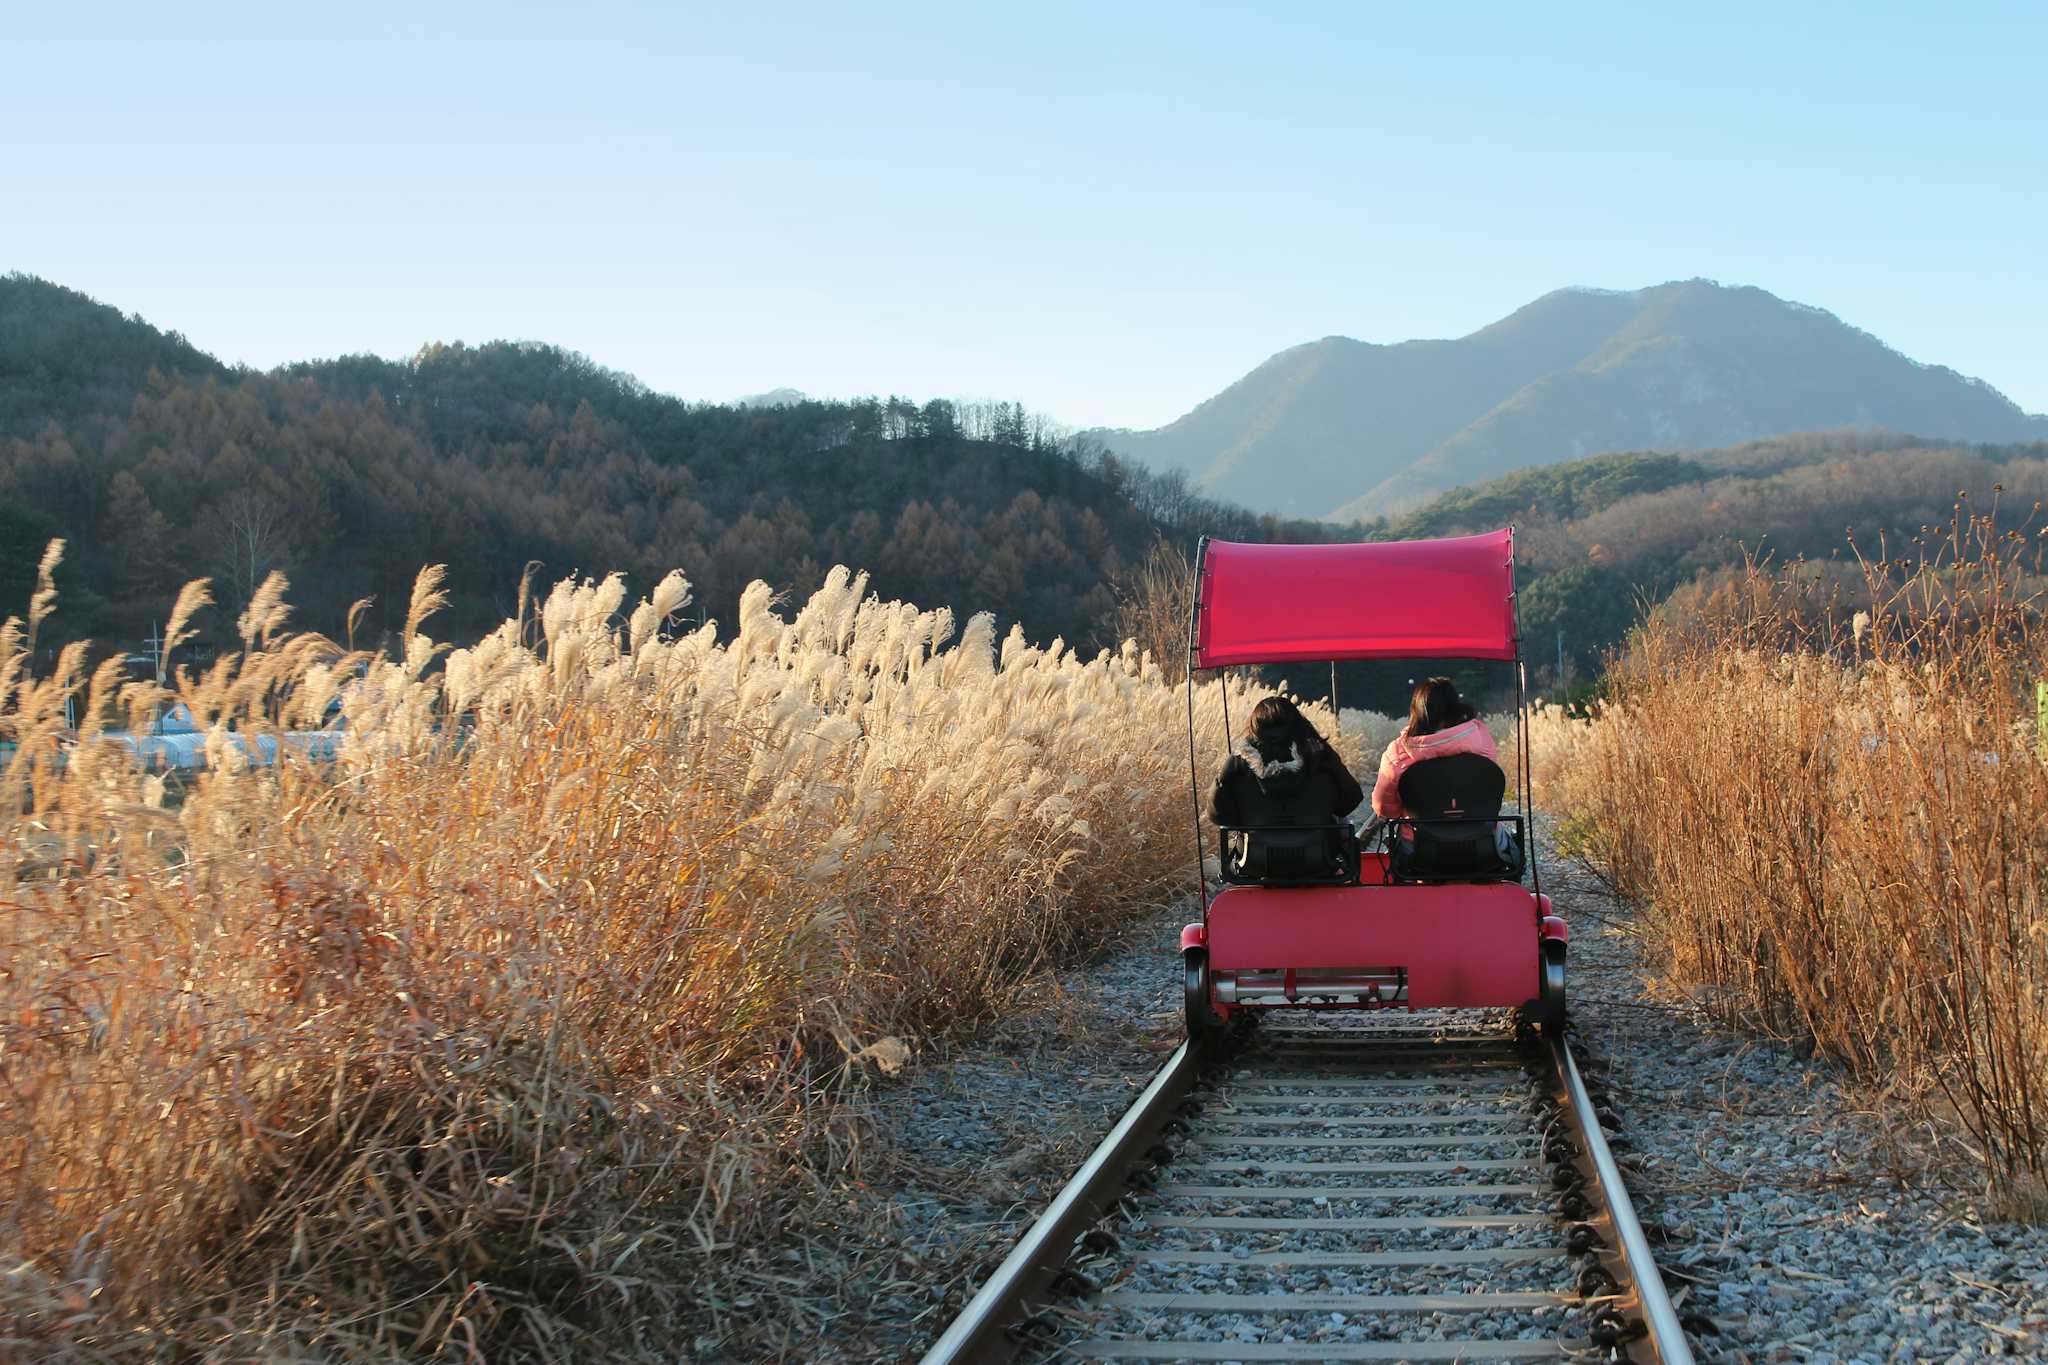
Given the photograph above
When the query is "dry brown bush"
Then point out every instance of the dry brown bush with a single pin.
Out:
(1838, 821)
(1154, 602)
(515, 1030)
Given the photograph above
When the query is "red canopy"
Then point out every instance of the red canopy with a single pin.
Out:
(1402, 599)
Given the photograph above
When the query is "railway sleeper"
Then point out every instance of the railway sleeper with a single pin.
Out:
(1256, 1198)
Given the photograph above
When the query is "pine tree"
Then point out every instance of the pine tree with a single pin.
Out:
(138, 539)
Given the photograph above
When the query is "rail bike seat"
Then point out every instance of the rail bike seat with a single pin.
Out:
(1454, 831)
(1290, 855)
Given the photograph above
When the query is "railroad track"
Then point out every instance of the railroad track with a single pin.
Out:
(1339, 1188)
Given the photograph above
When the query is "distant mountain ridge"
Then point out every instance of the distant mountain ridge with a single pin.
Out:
(1354, 430)
(63, 354)
(775, 398)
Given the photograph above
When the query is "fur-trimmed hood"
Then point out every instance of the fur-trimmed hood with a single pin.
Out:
(1290, 764)
(1282, 779)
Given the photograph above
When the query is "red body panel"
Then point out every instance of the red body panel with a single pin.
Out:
(1463, 945)
(1409, 599)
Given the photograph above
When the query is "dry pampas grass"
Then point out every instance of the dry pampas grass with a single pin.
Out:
(511, 1030)
(1837, 819)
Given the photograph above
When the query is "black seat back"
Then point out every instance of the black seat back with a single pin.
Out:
(1312, 856)
(1453, 802)
(1454, 787)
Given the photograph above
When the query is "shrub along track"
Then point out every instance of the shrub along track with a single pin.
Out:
(1384, 1188)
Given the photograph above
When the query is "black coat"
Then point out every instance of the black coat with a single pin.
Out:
(1271, 783)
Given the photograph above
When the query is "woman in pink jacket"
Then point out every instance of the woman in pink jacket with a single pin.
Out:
(1440, 723)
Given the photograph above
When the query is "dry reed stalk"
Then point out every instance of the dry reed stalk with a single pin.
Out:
(1840, 825)
(512, 1030)
(1154, 600)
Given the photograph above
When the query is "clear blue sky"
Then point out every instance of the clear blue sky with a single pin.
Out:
(1107, 211)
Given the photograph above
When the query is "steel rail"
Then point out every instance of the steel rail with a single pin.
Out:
(1643, 1281)
(982, 1332)
(979, 1333)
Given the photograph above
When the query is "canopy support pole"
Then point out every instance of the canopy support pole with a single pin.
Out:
(1525, 775)
(1194, 770)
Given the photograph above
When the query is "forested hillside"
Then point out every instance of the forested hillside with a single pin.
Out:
(158, 464)
(1600, 538)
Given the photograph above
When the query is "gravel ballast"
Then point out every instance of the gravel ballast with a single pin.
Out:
(972, 1145)
(1196, 1262)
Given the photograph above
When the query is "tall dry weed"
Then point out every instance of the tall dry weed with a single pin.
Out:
(520, 1028)
(1154, 600)
(1838, 818)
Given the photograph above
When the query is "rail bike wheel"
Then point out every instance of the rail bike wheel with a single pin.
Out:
(1205, 1025)
(1550, 990)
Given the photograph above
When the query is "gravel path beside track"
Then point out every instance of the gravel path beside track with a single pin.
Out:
(1813, 1237)
(977, 1142)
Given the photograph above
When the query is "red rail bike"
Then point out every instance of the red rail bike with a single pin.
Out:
(1440, 910)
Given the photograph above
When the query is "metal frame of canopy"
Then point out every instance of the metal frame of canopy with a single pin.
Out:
(1450, 598)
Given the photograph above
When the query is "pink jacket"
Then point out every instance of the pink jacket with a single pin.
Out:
(1404, 753)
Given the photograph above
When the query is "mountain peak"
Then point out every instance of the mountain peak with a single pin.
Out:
(775, 398)
(1360, 430)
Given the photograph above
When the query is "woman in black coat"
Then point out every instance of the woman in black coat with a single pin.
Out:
(1282, 774)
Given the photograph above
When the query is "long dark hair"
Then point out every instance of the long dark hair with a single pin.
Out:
(1278, 713)
(1436, 706)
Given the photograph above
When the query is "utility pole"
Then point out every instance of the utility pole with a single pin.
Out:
(1560, 658)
